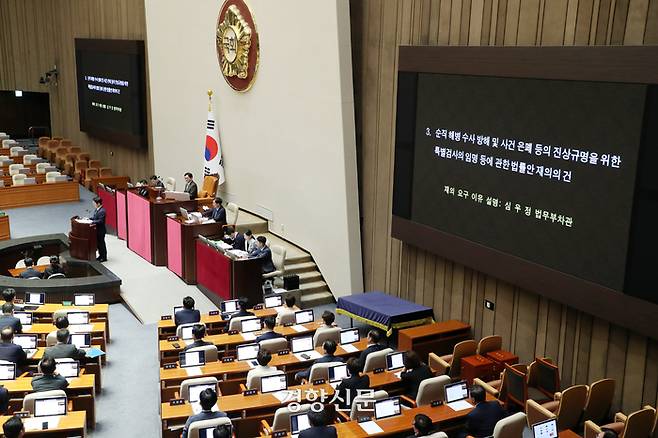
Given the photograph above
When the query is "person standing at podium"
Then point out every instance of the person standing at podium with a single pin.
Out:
(99, 220)
(190, 186)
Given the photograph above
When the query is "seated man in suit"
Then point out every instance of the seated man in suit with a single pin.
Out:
(207, 400)
(242, 304)
(29, 271)
(190, 186)
(235, 239)
(264, 358)
(8, 295)
(374, 339)
(263, 253)
(7, 319)
(250, 241)
(63, 349)
(348, 389)
(13, 428)
(329, 351)
(287, 308)
(480, 422)
(422, 426)
(318, 428)
(414, 372)
(188, 314)
(217, 212)
(269, 332)
(50, 380)
(4, 400)
(198, 332)
(328, 318)
(54, 268)
(10, 351)
(155, 181)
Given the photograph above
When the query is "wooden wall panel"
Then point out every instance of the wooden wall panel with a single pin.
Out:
(37, 34)
(585, 347)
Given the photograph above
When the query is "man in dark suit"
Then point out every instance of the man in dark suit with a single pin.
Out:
(422, 426)
(480, 422)
(10, 351)
(235, 239)
(188, 314)
(217, 212)
(198, 332)
(63, 349)
(269, 332)
(54, 268)
(207, 400)
(13, 428)
(190, 186)
(318, 428)
(99, 220)
(242, 303)
(329, 351)
(7, 319)
(414, 372)
(50, 380)
(348, 389)
(374, 339)
(263, 253)
(29, 271)
(9, 294)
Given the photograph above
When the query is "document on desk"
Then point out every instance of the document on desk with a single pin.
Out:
(193, 371)
(238, 252)
(284, 395)
(370, 427)
(83, 221)
(37, 423)
(299, 328)
(248, 336)
(459, 405)
(81, 328)
(188, 342)
(350, 348)
(312, 355)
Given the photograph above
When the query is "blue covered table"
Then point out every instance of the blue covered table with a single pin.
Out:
(384, 311)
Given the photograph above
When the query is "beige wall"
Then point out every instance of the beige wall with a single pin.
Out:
(37, 34)
(585, 347)
(288, 143)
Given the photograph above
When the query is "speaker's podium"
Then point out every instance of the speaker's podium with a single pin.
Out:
(82, 239)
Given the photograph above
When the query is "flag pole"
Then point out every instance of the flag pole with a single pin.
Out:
(209, 100)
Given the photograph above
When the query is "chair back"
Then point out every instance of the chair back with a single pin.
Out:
(43, 260)
(185, 385)
(170, 184)
(56, 275)
(51, 338)
(287, 318)
(106, 171)
(41, 167)
(96, 164)
(52, 176)
(571, 406)
(52, 144)
(640, 423)
(14, 169)
(235, 323)
(545, 377)
(431, 389)
(274, 345)
(15, 151)
(20, 264)
(75, 150)
(232, 211)
(253, 381)
(91, 173)
(321, 371)
(66, 142)
(18, 179)
(83, 156)
(516, 387)
(462, 349)
(599, 400)
(60, 151)
(195, 427)
(279, 258)
(80, 165)
(179, 329)
(282, 417)
(329, 334)
(362, 405)
(490, 343)
(28, 401)
(376, 360)
(510, 427)
(27, 158)
(210, 351)
(209, 187)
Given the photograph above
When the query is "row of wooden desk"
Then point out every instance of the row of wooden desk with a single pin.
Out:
(5, 233)
(38, 194)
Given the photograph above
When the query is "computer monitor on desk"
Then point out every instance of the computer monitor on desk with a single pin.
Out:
(7, 371)
(304, 316)
(386, 408)
(46, 407)
(273, 383)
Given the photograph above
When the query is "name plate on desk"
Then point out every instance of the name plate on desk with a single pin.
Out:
(249, 392)
(378, 370)
(172, 338)
(280, 434)
(165, 318)
(363, 419)
(169, 366)
(22, 414)
(289, 324)
(233, 332)
(258, 307)
(284, 352)
(319, 382)
(436, 403)
(228, 359)
(213, 313)
(176, 402)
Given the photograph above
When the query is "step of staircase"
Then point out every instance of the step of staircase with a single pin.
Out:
(298, 268)
(316, 299)
(308, 277)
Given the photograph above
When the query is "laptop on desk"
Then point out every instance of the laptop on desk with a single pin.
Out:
(387, 408)
(273, 383)
(337, 373)
(67, 369)
(272, 301)
(24, 317)
(36, 299)
(27, 342)
(456, 396)
(188, 359)
(229, 307)
(304, 316)
(298, 423)
(7, 371)
(545, 429)
(248, 352)
(47, 407)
